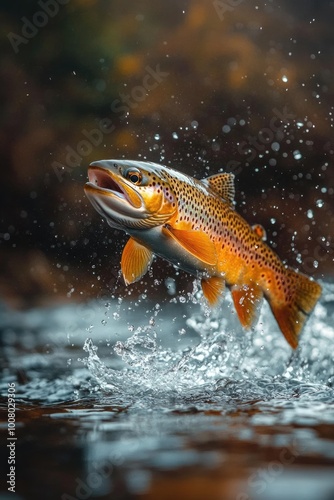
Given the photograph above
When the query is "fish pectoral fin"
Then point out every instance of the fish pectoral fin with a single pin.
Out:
(223, 185)
(197, 243)
(247, 300)
(213, 289)
(260, 231)
(135, 261)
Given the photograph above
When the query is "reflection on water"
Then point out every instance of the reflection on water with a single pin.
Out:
(143, 400)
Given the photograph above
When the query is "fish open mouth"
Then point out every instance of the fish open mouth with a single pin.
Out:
(100, 180)
(110, 194)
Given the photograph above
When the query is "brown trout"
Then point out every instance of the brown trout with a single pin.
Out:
(192, 224)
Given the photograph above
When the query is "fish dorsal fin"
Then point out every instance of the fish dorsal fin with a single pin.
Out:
(223, 185)
(260, 231)
(247, 300)
(213, 289)
(196, 243)
(136, 260)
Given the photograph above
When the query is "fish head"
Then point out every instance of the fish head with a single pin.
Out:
(130, 194)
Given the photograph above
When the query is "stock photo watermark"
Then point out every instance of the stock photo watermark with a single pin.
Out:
(31, 27)
(92, 483)
(267, 136)
(94, 137)
(225, 7)
(100, 476)
(11, 438)
(262, 477)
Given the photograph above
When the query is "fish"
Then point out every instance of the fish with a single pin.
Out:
(194, 225)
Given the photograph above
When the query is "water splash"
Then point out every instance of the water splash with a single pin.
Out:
(224, 364)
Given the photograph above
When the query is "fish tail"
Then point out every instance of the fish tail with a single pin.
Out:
(301, 295)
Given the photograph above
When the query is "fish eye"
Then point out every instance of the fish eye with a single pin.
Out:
(134, 176)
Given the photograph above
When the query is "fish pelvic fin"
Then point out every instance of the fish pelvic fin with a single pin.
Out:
(213, 289)
(247, 301)
(292, 314)
(135, 261)
(196, 243)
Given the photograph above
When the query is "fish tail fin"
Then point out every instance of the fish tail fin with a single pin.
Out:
(301, 297)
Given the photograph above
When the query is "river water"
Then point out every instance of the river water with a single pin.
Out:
(136, 399)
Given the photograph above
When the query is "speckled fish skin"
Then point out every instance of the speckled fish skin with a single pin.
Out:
(192, 223)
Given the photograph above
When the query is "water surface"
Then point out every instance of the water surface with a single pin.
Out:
(137, 399)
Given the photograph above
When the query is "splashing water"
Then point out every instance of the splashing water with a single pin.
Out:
(222, 364)
(158, 389)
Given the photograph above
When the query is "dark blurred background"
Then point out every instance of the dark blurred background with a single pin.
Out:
(197, 85)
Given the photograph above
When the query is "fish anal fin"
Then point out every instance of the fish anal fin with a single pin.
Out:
(247, 300)
(290, 320)
(213, 289)
(292, 315)
(196, 243)
(223, 185)
(135, 261)
(260, 231)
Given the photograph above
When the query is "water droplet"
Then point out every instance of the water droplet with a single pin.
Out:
(275, 146)
(171, 286)
(297, 154)
(231, 121)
